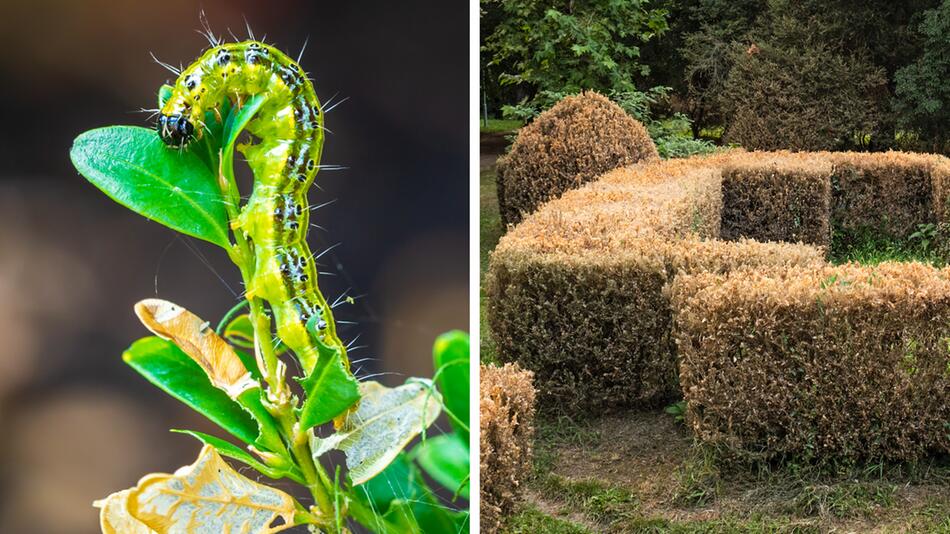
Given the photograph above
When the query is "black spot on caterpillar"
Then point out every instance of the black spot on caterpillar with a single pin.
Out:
(289, 133)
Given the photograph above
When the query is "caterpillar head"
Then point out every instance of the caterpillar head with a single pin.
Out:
(175, 129)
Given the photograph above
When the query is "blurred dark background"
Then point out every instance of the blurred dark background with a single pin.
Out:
(79, 424)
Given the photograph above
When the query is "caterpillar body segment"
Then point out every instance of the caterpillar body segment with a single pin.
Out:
(287, 135)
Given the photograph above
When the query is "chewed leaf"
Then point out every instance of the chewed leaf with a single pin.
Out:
(209, 496)
(199, 341)
(331, 389)
(385, 422)
(114, 516)
(229, 450)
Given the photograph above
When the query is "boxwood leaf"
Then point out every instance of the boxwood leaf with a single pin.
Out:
(164, 93)
(445, 458)
(237, 120)
(398, 501)
(228, 449)
(114, 517)
(174, 188)
(166, 366)
(386, 420)
(331, 389)
(240, 332)
(450, 355)
(195, 337)
(209, 496)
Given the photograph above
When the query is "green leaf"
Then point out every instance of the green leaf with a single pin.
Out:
(236, 122)
(174, 188)
(450, 354)
(208, 147)
(397, 481)
(398, 500)
(164, 93)
(250, 363)
(446, 459)
(166, 366)
(269, 433)
(229, 450)
(240, 333)
(331, 389)
(386, 420)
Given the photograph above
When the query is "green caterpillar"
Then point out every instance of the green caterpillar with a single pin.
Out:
(289, 127)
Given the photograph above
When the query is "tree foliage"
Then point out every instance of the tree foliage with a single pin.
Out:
(568, 46)
(790, 89)
(890, 57)
(923, 93)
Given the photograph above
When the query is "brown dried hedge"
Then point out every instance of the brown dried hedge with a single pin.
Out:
(576, 291)
(579, 291)
(819, 362)
(783, 199)
(506, 420)
(578, 139)
(886, 194)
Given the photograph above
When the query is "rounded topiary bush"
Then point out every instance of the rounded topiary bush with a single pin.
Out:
(577, 140)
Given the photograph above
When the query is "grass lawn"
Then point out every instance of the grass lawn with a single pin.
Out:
(490, 231)
(641, 472)
(498, 126)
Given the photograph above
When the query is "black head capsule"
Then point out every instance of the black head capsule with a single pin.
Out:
(175, 130)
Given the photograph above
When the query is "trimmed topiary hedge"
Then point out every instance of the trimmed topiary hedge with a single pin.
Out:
(506, 419)
(576, 292)
(887, 194)
(578, 139)
(849, 361)
(782, 199)
(580, 292)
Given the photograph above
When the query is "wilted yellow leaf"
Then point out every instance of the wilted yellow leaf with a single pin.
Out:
(384, 423)
(206, 496)
(199, 341)
(114, 518)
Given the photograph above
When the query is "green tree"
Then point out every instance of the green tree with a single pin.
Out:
(923, 93)
(792, 87)
(707, 35)
(548, 49)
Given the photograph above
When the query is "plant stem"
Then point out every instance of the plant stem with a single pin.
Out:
(279, 395)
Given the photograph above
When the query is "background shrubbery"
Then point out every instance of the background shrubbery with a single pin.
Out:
(808, 74)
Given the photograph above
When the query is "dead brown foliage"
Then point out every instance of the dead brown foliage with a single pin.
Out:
(579, 291)
(506, 420)
(779, 199)
(574, 142)
(817, 362)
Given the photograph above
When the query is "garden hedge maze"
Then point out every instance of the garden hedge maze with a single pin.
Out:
(709, 278)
